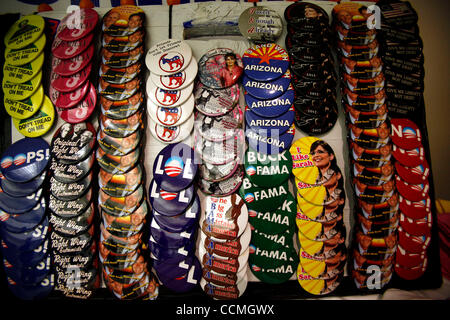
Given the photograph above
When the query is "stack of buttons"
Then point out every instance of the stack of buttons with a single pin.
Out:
(32, 111)
(320, 203)
(260, 24)
(218, 134)
(24, 224)
(224, 246)
(313, 75)
(175, 215)
(73, 48)
(169, 90)
(364, 101)
(122, 197)
(72, 210)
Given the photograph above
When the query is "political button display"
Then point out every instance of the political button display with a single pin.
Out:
(24, 31)
(278, 125)
(24, 72)
(25, 159)
(220, 68)
(170, 203)
(68, 49)
(265, 62)
(405, 134)
(83, 110)
(223, 187)
(73, 226)
(175, 167)
(68, 67)
(77, 24)
(271, 108)
(39, 123)
(23, 189)
(303, 166)
(176, 81)
(21, 91)
(267, 170)
(260, 24)
(219, 128)
(119, 146)
(168, 57)
(24, 108)
(67, 100)
(182, 221)
(18, 223)
(117, 164)
(168, 98)
(19, 57)
(267, 90)
(214, 102)
(171, 116)
(172, 134)
(263, 199)
(270, 141)
(70, 191)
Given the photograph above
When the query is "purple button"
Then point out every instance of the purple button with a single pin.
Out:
(171, 239)
(170, 203)
(187, 282)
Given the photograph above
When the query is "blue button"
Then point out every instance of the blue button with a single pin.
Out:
(267, 90)
(265, 62)
(271, 108)
(277, 125)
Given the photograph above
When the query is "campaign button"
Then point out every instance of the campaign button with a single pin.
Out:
(409, 158)
(214, 173)
(122, 59)
(260, 24)
(118, 245)
(23, 189)
(21, 91)
(77, 24)
(405, 134)
(267, 90)
(28, 275)
(224, 292)
(70, 191)
(220, 152)
(223, 279)
(413, 175)
(168, 57)
(276, 275)
(176, 81)
(270, 141)
(172, 239)
(223, 187)
(220, 68)
(317, 231)
(24, 31)
(27, 258)
(68, 49)
(72, 82)
(123, 206)
(265, 62)
(227, 248)
(120, 75)
(19, 57)
(117, 164)
(123, 127)
(172, 134)
(25, 108)
(315, 125)
(303, 166)
(277, 221)
(270, 251)
(215, 102)
(72, 245)
(70, 209)
(278, 125)
(39, 123)
(72, 226)
(171, 116)
(123, 20)
(175, 167)
(168, 98)
(170, 203)
(408, 259)
(320, 213)
(167, 270)
(182, 221)
(117, 92)
(271, 108)
(174, 255)
(306, 16)
(25, 72)
(67, 100)
(33, 292)
(18, 223)
(123, 43)
(25, 159)
(417, 227)
(73, 143)
(67, 173)
(411, 273)
(317, 287)
(219, 128)
(412, 243)
(68, 67)
(412, 192)
(83, 109)
(29, 240)
(263, 199)
(267, 170)
(330, 192)
(119, 146)
(120, 185)
(188, 281)
(223, 265)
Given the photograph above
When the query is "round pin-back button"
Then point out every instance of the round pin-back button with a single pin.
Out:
(224, 292)
(67, 173)
(224, 187)
(122, 59)
(181, 222)
(173, 134)
(121, 109)
(330, 192)
(272, 250)
(168, 98)
(411, 273)
(82, 110)
(219, 128)
(25, 108)
(412, 192)
(25, 159)
(172, 239)
(67, 100)
(320, 213)
(119, 146)
(168, 57)
(72, 82)
(123, 43)
(176, 81)
(73, 143)
(21, 91)
(220, 152)
(73, 226)
(175, 167)
(226, 248)
(118, 245)
(174, 255)
(265, 62)
(278, 125)
(271, 108)
(122, 206)
(214, 102)
(277, 221)
(171, 116)
(269, 89)
(123, 20)
(317, 286)
(188, 281)
(70, 191)
(19, 57)
(120, 75)
(170, 203)
(68, 49)
(323, 269)
(220, 68)
(270, 141)
(117, 92)
(405, 134)
(126, 225)
(70, 209)
(260, 24)
(39, 123)
(263, 199)
(415, 209)
(315, 125)
(409, 158)
(18, 223)
(121, 128)
(26, 241)
(33, 292)
(277, 275)
(417, 227)
(68, 67)
(27, 258)
(214, 173)
(28, 275)
(24, 31)
(223, 265)
(120, 185)
(318, 231)
(24, 72)
(408, 259)
(168, 270)
(15, 189)
(77, 24)
(117, 164)
(267, 170)
(306, 16)
(222, 279)
(411, 243)
(72, 245)
(413, 175)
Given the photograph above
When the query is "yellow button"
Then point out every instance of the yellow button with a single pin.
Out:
(18, 57)
(40, 123)
(303, 166)
(24, 31)
(20, 91)
(25, 108)
(23, 73)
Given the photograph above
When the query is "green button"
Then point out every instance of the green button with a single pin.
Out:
(263, 199)
(267, 170)
(40, 123)
(18, 57)
(22, 109)
(25, 72)
(20, 91)
(24, 31)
